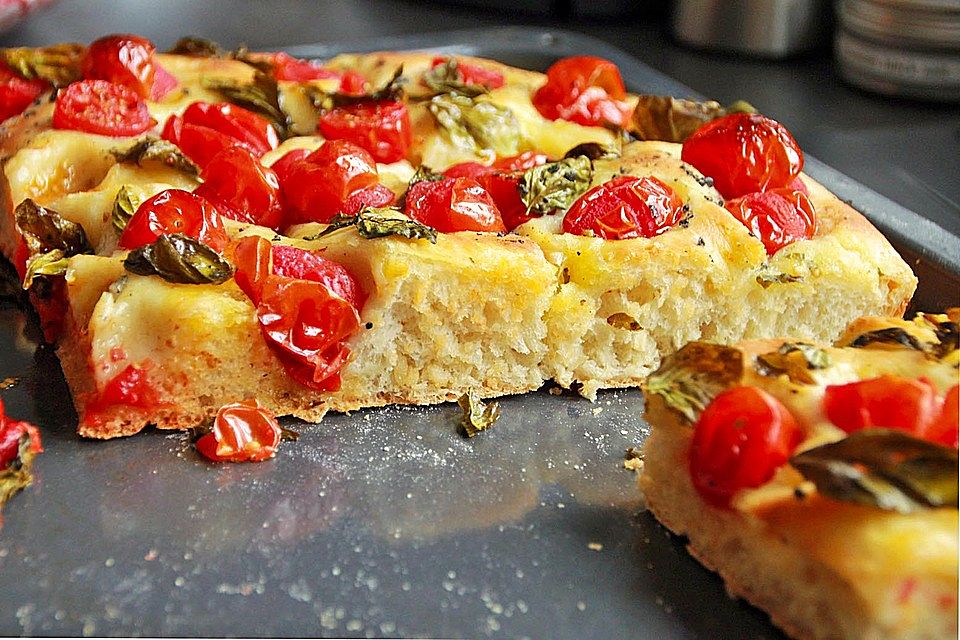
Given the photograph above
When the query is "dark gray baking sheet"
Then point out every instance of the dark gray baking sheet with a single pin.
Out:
(382, 522)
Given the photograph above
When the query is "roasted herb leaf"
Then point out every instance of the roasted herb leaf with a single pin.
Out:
(151, 149)
(180, 259)
(794, 359)
(445, 78)
(693, 376)
(477, 415)
(51, 263)
(392, 91)
(44, 230)
(592, 150)
(18, 474)
(883, 468)
(674, 119)
(261, 97)
(379, 223)
(197, 47)
(766, 279)
(124, 206)
(59, 65)
(555, 185)
(477, 125)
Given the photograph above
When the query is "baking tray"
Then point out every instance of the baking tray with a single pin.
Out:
(383, 522)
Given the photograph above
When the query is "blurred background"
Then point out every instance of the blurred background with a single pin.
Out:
(868, 86)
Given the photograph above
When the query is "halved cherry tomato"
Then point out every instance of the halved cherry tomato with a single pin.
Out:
(468, 170)
(286, 67)
(293, 262)
(474, 74)
(586, 90)
(522, 162)
(625, 207)
(122, 59)
(740, 440)
(316, 188)
(352, 83)
(11, 432)
(382, 128)
(250, 191)
(163, 83)
(101, 107)
(744, 153)
(205, 129)
(453, 204)
(17, 93)
(945, 429)
(285, 163)
(504, 188)
(376, 196)
(175, 211)
(242, 432)
(889, 401)
(777, 217)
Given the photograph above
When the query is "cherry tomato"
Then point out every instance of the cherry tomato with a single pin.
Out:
(11, 433)
(376, 196)
(17, 93)
(945, 429)
(522, 162)
(250, 191)
(891, 402)
(586, 90)
(504, 188)
(285, 163)
(473, 74)
(101, 107)
(739, 442)
(286, 67)
(353, 84)
(744, 153)
(204, 130)
(382, 128)
(316, 188)
(453, 204)
(777, 217)
(242, 432)
(122, 59)
(293, 262)
(468, 170)
(175, 211)
(625, 207)
(163, 83)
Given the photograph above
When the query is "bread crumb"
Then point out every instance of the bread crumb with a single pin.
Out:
(555, 391)
(633, 464)
(597, 410)
(594, 546)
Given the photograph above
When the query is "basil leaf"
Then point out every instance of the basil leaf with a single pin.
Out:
(379, 223)
(674, 119)
(18, 474)
(152, 149)
(124, 206)
(794, 359)
(44, 230)
(692, 377)
(445, 78)
(592, 150)
(476, 125)
(392, 91)
(883, 468)
(555, 185)
(180, 259)
(59, 65)
(197, 47)
(261, 97)
(51, 263)
(477, 415)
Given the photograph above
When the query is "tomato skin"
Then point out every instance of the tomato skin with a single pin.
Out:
(16, 93)
(473, 74)
(250, 191)
(739, 442)
(945, 429)
(504, 188)
(625, 207)
(522, 162)
(101, 107)
(352, 83)
(889, 401)
(288, 68)
(473, 170)
(376, 196)
(163, 83)
(174, 211)
(205, 129)
(122, 59)
(586, 90)
(744, 153)
(453, 204)
(777, 217)
(242, 432)
(293, 262)
(382, 128)
(11, 432)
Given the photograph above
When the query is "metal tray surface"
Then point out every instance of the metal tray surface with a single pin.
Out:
(379, 523)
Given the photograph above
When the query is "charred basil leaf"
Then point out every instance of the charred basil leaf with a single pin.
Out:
(198, 48)
(180, 259)
(555, 185)
(124, 206)
(674, 119)
(883, 468)
(692, 377)
(445, 78)
(152, 149)
(261, 97)
(18, 474)
(44, 230)
(477, 415)
(794, 359)
(380, 222)
(59, 65)
(51, 263)
(592, 150)
(476, 125)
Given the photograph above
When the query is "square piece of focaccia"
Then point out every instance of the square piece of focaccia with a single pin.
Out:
(485, 312)
(836, 527)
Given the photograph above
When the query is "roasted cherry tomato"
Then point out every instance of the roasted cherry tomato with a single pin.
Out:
(453, 204)
(17, 93)
(286, 67)
(11, 433)
(382, 128)
(510, 164)
(316, 187)
(625, 207)
(468, 170)
(175, 211)
(777, 217)
(122, 59)
(101, 107)
(473, 74)
(205, 129)
(376, 196)
(586, 90)
(250, 191)
(353, 84)
(286, 162)
(946, 428)
(242, 432)
(739, 442)
(163, 83)
(306, 321)
(744, 153)
(891, 402)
